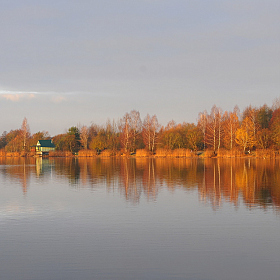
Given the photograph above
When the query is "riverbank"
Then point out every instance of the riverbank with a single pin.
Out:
(160, 153)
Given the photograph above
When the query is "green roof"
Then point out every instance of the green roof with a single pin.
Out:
(46, 143)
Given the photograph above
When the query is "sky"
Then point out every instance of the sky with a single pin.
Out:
(65, 63)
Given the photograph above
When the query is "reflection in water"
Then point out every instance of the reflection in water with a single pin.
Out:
(217, 180)
(20, 169)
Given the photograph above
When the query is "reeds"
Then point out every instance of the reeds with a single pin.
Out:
(207, 154)
(267, 153)
(2, 153)
(107, 153)
(143, 153)
(178, 153)
(183, 153)
(163, 153)
(12, 154)
(87, 153)
(60, 154)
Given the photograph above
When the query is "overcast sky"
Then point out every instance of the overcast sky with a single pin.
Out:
(66, 62)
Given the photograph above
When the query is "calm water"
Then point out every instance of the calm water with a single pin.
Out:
(139, 219)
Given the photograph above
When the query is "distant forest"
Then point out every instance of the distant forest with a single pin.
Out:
(215, 131)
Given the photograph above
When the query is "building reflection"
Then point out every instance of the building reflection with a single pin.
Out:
(255, 182)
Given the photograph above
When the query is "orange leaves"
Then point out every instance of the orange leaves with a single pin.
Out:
(245, 135)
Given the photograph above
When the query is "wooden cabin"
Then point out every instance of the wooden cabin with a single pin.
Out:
(43, 147)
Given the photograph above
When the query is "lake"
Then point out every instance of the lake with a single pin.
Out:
(196, 219)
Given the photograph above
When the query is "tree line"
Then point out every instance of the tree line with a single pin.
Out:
(254, 128)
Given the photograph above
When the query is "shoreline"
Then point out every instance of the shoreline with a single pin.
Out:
(179, 153)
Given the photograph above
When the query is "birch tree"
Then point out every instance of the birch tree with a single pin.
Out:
(126, 135)
(150, 131)
(230, 126)
(135, 126)
(84, 134)
(214, 128)
(25, 133)
(202, 123)
(245, 135)
(274, 127)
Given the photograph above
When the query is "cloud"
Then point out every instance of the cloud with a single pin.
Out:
(15, 97)
(58, 99)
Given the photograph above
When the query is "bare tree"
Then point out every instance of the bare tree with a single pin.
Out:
(230, 126)
(202, 123)
(84, 134)
(214, 128)
(276, 104)
(130, 127)
(150, 131)
(25, 133)
(251, 113)
(126, 135)
(111, 134)
(136, 126)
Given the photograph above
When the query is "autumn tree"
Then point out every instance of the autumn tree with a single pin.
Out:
(3, 140)
(69, 141)
(14, 141)
(276, 104)
(264, 115)
(263, 135)
(230, 125)
(59, 142)
(84, 134)
(194, 137)
(263, 138)
(214, 128)
(92, 131)
(172, 136)
(104, 137)
(25, 134)
(202, 124)
(251, 115)
(245, 135)
(99, 142)
(41, 135)
(112, 135)
(73, 139)
(274, 127)
(135, 126)
(150, 131)
(17, 140)
(126, 132)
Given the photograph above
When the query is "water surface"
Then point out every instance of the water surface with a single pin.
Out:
(139, 219)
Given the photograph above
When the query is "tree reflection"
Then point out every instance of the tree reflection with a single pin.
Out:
(19, 169)
(256, 182)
